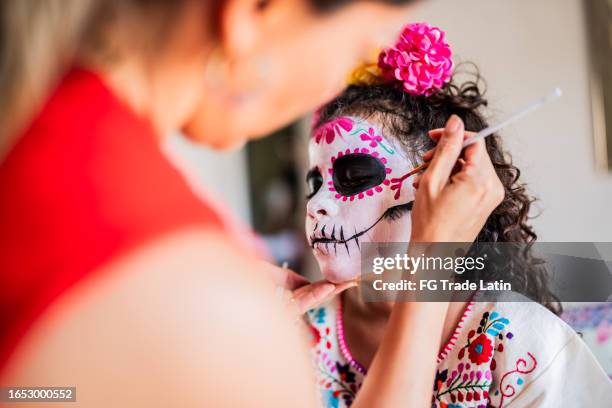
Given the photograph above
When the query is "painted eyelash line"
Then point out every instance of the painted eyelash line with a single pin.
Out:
(371, 191)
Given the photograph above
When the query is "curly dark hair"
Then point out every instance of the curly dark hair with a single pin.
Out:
(409, 118)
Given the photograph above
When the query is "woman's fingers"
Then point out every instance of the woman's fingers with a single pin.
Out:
(341, 287)
(477, 171)
(294, 280)
(475, 152)
(313, 295)
(428, 155)
(436, 134)
(286, 278)
(447, 153)
(457, 192)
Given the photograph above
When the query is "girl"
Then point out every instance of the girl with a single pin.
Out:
(364, 143)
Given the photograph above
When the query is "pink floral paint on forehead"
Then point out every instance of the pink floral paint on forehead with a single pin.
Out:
(327, 132)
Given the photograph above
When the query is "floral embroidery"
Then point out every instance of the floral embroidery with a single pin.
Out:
(481, 350)
(520, 367)
(319, 315)
(332, 381)
(345, 373)
(469, 383)
(315, 334)
(337, 379)
(466, 383)
(330, 398)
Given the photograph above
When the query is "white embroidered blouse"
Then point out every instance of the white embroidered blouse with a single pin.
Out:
(501, 354)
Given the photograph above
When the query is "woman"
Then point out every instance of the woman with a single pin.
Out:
(114, 278)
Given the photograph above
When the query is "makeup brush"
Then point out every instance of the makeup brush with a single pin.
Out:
(556, 93)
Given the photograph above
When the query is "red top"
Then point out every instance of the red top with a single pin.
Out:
(86, 182)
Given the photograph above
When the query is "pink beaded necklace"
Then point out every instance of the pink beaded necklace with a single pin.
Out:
(342, 341)
(361, 369)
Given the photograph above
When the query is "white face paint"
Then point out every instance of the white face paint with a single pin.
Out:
(355, 177)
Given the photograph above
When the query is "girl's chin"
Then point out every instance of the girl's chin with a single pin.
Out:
(338, 269)
(335, 276)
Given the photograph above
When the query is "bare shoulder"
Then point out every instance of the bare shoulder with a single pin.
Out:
(185, 320)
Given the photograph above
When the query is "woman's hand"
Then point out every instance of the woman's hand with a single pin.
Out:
(457, 192)
(313, 294)
(455, 196)
(304, 294)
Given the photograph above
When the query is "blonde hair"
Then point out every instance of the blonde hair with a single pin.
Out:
(37, 40)
(40, 39)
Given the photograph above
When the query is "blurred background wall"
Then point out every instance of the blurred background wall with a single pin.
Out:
(524, 48)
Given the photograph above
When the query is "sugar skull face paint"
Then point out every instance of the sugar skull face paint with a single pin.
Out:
(355, 178)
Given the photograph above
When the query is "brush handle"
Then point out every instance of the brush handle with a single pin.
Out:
(556, 93)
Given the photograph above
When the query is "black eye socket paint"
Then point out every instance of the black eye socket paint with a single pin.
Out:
(314, 179)
(357, 172)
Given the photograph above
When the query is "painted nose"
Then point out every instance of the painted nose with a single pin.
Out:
(320, 207)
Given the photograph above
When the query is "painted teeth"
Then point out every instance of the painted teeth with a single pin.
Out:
(342, 238)
(322, 238)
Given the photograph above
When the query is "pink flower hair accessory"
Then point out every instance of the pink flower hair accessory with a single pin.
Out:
(421, 60)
